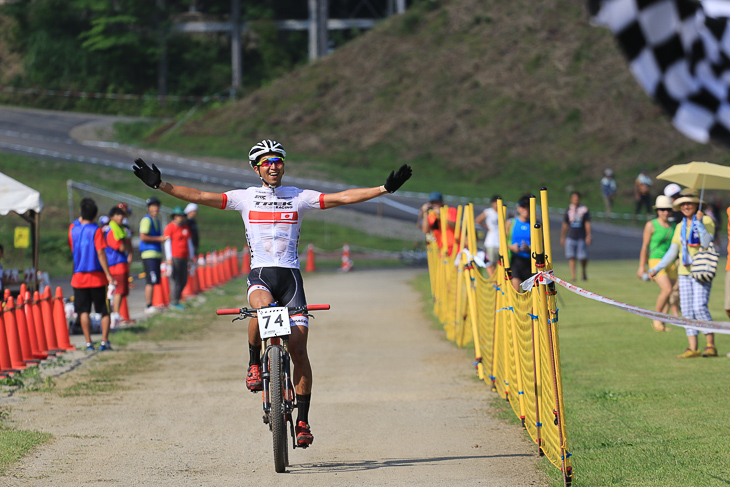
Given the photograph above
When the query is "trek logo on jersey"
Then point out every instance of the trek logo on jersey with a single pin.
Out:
(282, 205)
(290, 217)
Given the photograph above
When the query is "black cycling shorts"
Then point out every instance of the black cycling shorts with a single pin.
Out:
(84, 297)
(284, 284)
(521, 267)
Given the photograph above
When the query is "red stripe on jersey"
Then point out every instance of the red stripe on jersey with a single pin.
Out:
(321, 201)
(224, 203)
(290, 217)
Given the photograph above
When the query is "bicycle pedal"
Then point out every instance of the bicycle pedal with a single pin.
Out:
(266, 419)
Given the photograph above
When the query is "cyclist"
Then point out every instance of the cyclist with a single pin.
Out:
(272, 215)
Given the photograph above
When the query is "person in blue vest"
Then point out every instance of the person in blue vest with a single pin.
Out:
(150, 248)
(91, 272)
(519, 242)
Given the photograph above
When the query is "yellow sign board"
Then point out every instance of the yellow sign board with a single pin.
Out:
(22, 237)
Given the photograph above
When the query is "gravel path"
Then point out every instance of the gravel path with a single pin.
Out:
(394, 404)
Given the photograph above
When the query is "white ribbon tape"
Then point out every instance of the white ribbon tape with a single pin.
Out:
(703, 326)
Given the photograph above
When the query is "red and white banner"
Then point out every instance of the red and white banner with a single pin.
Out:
(703, 326)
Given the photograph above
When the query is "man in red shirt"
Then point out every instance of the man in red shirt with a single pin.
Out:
(91, 272)
(179, 251)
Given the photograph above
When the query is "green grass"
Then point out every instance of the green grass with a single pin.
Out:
(14, 444)
(635, 414)
(218, 229)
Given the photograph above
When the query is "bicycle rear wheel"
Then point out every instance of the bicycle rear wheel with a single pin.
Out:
(278, 414)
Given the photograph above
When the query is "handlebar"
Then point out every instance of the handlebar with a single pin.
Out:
(292, 310)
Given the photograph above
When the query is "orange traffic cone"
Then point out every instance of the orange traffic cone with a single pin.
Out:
(23, 333)
(157, 300)
(40, 331)
(229, 264)
(13, 338)
(124, 310)
(234, 262)
(6, 365)
(187, 291)
(346, 265)
(194, 277)
(200, 274)
(209, 271)
(311, 265)
(165, 272)
(48, 326)
(60, 323)
(32, 329)
(246, 265)
(217, 278)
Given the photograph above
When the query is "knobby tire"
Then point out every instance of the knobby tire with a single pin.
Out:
(278, 420)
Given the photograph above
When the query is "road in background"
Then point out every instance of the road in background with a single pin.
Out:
(48, 134)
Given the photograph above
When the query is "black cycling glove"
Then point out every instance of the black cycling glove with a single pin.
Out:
(397, 178)
(150, 176)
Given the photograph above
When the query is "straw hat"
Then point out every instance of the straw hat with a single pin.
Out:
(663, 203)
(687, 195)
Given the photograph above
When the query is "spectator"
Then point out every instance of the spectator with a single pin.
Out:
(125, 223)
(179, 251)
(672, 190)
(430, 218)
(191, 211)
(608, 190)
(693, 232)
(657, 239)
(489, 219)
(642, 193)
(117, 249)
(91, 272)
(575, 234)
(519, 238)
(150, 248)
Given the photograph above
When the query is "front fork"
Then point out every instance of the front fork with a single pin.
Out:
(266, 378)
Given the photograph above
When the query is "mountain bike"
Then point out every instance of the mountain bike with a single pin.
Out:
(278, 393)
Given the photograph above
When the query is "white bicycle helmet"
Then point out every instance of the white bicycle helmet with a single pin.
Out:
(265, 147)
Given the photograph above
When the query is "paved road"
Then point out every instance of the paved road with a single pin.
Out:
(47, 134)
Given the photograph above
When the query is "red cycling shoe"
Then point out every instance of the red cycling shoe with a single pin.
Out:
(253, 379)
(304, 434)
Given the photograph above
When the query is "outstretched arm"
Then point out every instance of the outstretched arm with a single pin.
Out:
(152, 177)
(358, 195)
(352, 196)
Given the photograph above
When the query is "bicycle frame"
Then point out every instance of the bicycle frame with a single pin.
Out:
(277, 348)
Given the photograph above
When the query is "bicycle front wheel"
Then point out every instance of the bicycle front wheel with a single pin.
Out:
(278, 413)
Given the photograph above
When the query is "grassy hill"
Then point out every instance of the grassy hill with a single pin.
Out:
(479, 96)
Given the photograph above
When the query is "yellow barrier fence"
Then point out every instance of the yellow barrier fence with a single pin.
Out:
(514, 334)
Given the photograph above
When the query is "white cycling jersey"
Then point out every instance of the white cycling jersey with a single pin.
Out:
(273, 219)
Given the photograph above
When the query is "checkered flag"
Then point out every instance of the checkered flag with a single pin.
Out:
(679, 52)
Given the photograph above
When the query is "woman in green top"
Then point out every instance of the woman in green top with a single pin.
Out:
(657, 239)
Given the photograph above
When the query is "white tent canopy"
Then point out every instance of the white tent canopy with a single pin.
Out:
(26, 202)
(17, 197)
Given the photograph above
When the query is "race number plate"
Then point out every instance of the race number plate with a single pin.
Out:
(274, 322)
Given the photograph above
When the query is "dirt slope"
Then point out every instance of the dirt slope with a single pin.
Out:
(504, 86)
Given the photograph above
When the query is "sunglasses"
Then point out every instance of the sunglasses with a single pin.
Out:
(663, 209)
(279, 161)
